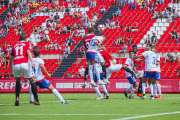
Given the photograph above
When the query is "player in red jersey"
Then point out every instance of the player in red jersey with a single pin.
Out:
(110, 68)
(138, 69)
(21, 61)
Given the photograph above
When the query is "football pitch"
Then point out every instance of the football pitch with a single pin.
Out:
(86, 107)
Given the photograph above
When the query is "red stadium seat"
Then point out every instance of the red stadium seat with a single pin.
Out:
(174, 64)
(168, 74)
(123, 59)
(56, 65)
(168, 63)
(165, 69)
(174, 74)
(49, 60)
(52, 70)
(74, 65)
(54, 61)
(171, 69)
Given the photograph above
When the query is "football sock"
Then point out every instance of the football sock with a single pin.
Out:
(104, 89)
(140, 88)
(18, 88)
(151, 89)
(154, 89)
(31, 94)
(86, 74)
(90, 72)
(58, 95)
(129, 89)
(34, 91)
(104, 71)
(143, 88)
(159, 88)
(97, 91)
(132, 92)
(96, 71)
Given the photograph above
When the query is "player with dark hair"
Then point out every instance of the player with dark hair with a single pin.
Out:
(138, 69)
(21, 61)
(150, 69)
(40, 80)
(86, 43)
(130, 64)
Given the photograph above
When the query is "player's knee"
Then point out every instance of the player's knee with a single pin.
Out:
(50, 87)
(134, 85)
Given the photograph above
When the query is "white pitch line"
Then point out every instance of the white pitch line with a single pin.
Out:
(29, 103)
(69, 114)
(144, 116)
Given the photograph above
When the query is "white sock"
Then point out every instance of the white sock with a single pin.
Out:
(91, 72)
(159, 88)
(31, 94)
(143, 88)
(129, 89)
(96, 71)
(151, 89)
(132, 92)
(104, 89)
(97, 91)
(154, 89)
(58, 95)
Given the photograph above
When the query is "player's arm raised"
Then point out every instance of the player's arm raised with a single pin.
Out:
(44, 69)
(97, 43)
(11, 69)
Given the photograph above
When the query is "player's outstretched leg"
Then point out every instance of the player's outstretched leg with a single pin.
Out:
(18, 89)
(57, 94)
(96, 71)
(125, 92)
(96, 89)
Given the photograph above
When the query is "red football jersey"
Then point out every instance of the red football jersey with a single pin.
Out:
(19, 52)
(87, 40)
(107, 57)
(136, 62)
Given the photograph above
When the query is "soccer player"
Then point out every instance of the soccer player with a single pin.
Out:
(110, 68)
(40, 80)
(86, 43)
(21, 61)
(130, 63)
(106, 95)
(92, 58)
(150, 69)
(158, 75)
(138, 69)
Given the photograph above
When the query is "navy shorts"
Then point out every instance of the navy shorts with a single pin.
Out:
(149, 75)
(131, 79)
(92, 56)
(158, 76)
(95, 77)
(43, 84)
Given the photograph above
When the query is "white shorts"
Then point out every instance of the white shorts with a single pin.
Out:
(111, 69)
(100, 58)
(140, 73)
(25, 68)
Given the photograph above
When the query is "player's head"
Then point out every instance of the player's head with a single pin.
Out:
(154, 48)
(91, 30)
(23, 36)
(134, 49)
(36, 53)
(131, 54)
(103, 35)
(148, 47)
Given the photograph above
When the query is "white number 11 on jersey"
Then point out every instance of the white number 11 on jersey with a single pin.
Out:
(17, 50)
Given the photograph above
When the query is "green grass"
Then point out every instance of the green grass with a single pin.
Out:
(87, 104)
